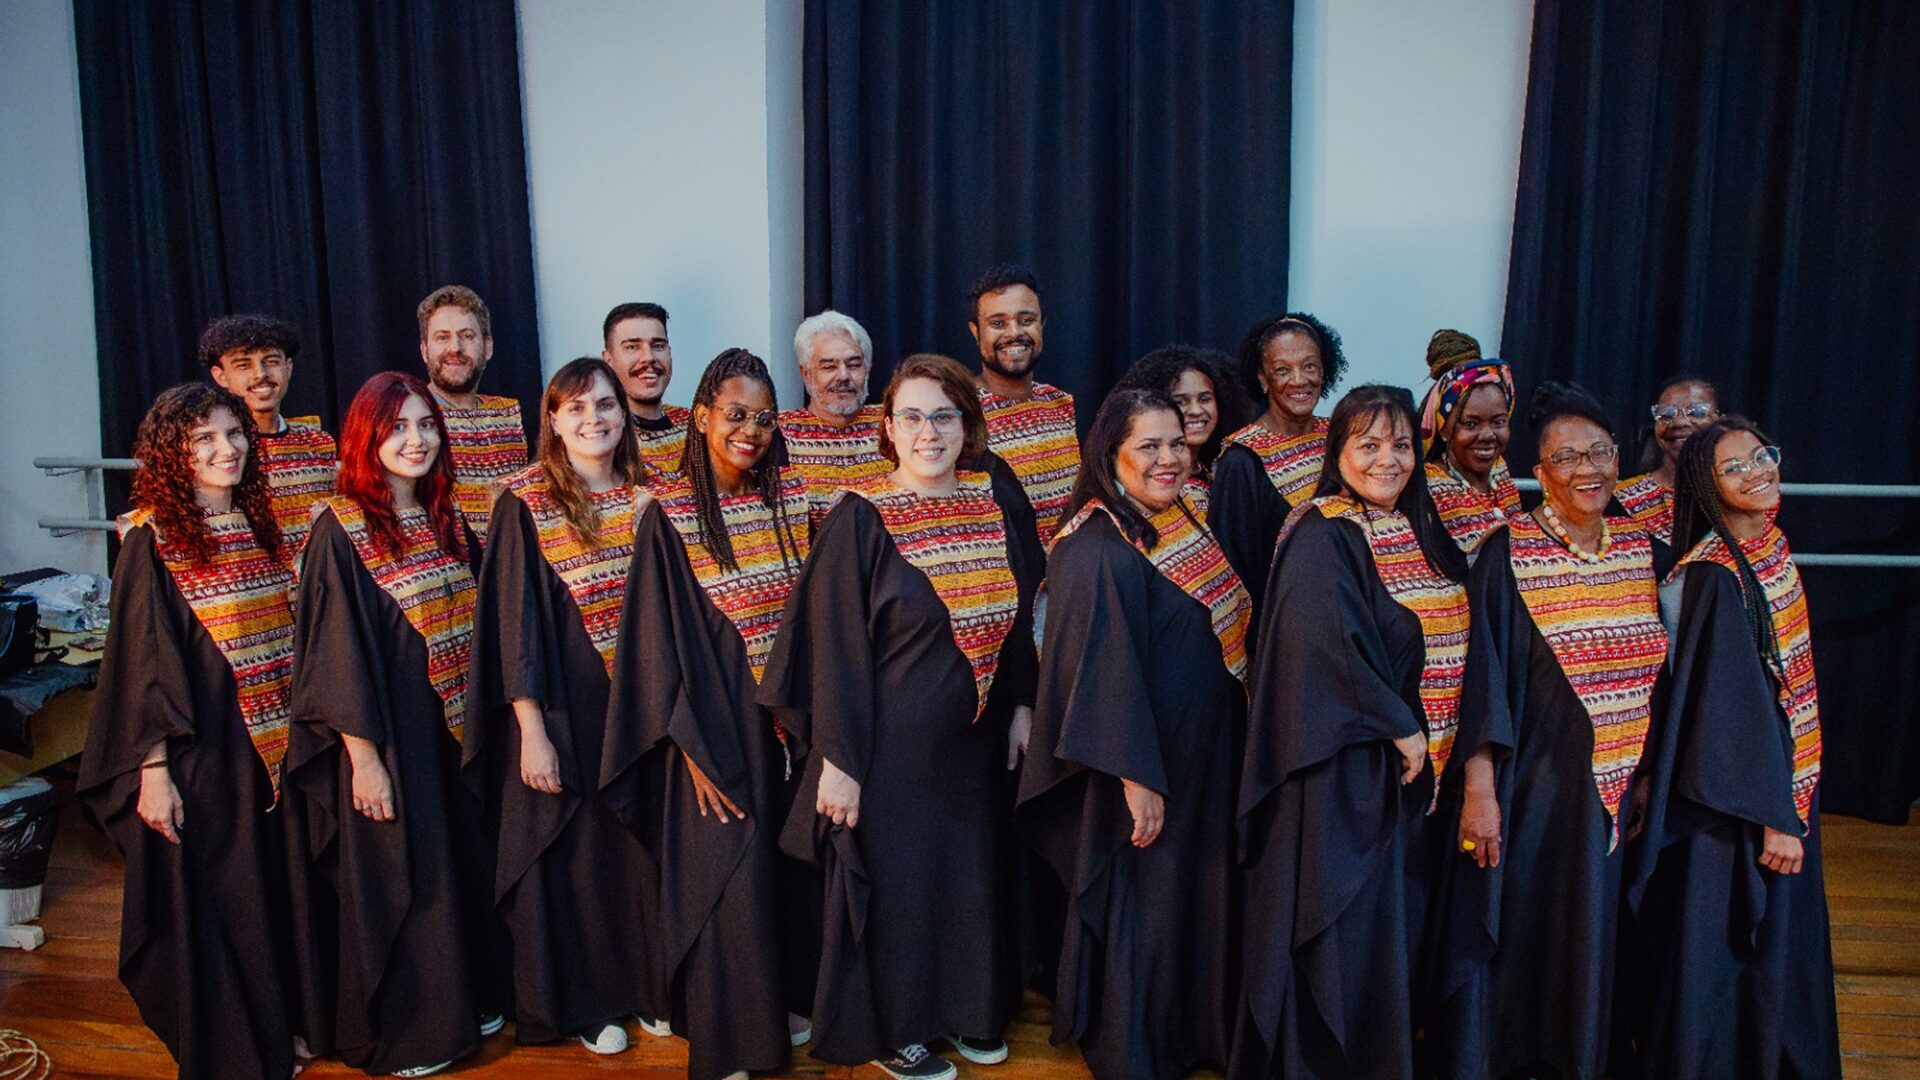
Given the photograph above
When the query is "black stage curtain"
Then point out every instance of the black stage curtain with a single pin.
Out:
(1728, 188)
(326, 163)
(1135, 154)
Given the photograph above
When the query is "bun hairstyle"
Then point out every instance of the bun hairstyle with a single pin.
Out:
(1448, 349)
(1556, 401)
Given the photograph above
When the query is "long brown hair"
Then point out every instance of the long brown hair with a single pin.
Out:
(364, 479)
(576, 502)
(163, 484)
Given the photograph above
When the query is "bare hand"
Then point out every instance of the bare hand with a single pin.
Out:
(1637, 811)
(373, 790)
(1781, 853)
(709, 795)
(1480, 826)
(839, 797)
(1149, 810)
(539, 763)
(160, 806)
(1413, 755)
(1019, 735)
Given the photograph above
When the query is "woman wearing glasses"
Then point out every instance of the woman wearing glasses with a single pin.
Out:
(907, 650)
(1684, 404)
(1463, 429)
(1726, 890)
(1566, 647)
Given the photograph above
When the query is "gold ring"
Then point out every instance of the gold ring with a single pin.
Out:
(1468, 845)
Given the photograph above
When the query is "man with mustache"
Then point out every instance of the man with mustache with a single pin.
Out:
(834, 442)
(251, 357)
(485, 441)
(1029, 423)
(637, 350)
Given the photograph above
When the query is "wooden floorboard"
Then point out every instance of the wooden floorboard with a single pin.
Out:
(66, 997)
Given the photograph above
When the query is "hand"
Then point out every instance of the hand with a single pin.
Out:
(1480, 825)
(1149, 810)
(1413, 755)
(709, 795)
(839, 797)
(1019, 735)
(1637, 812)
(372, 789)
(160, 806)
(1781, 853)
(539, 762)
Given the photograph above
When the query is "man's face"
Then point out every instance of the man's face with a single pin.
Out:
(638, 352)
(455, 350)
(836, 375)
(258, 376)
(1007, 325)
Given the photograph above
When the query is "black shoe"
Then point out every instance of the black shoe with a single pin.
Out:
(980, 1051)
(916, 1063)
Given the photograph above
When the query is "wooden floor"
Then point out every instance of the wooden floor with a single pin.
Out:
(65, 996)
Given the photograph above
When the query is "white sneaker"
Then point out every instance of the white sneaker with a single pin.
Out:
(422, 1070)
(610, 1039)
(491, 1025)
(916, 1062)
(659, 1029)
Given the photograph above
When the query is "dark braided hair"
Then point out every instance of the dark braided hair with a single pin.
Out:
(1697, 510)
(696, 463)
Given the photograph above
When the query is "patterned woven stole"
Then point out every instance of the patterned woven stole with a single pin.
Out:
(1198, 496)
(486, 445)
(435, 592)
(595, 574)
(831, 458)
(753, 596)
(959, 542)
(1601, 620)
(1794, 683)
(243, 597)
(1470, 515)
(299, 464)
(1188, 556)
(661, 448)
(1439, 603)
(1038, 441)
(1646, 502)
(1292, 461)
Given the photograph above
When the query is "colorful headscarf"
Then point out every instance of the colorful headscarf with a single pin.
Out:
(1452, 386)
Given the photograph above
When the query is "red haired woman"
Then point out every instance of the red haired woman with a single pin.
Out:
(389, 897)
(189, 727)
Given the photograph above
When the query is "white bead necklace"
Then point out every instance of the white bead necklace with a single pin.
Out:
(1560, 530)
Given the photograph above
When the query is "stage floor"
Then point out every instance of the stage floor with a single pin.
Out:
(65, 996)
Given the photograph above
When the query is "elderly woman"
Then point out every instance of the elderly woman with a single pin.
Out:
(907, 653)
(1463, 428)
(1683, 405)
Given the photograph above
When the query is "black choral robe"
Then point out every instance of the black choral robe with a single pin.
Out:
(1733, 967)
(393, 949)
(203, 928)
(1335, 856)
(1245, 512)
(917, 935)
(1132, 685)
(569, 877)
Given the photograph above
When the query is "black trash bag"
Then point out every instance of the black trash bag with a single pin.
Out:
(28, 820)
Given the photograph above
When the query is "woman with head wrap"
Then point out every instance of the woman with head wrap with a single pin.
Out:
(1463, 433)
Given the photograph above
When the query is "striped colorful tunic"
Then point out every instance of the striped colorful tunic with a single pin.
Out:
(299, 462)
(486, 445)
(1469, 514)
(831, 458)
(662, 444)
(435, 591)
(1292, 461)
(959, 542)
(1188, 556)
(768, 557)
(1601, 620)
(1038, 441)
(243, 597)
(1648, 502)
(1794, 683)
(595, 574)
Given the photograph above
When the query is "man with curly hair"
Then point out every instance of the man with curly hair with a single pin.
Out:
(251, 357)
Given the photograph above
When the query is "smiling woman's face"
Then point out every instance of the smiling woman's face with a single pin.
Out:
(1153, 460)
(218, 449)
(1754, 489)
(413, 442)
(1577, 485)
(1376, 463)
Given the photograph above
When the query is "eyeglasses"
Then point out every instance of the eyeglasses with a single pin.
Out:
(1765, 459)
(1692, 410)
(735, 415)
(944, 421)
(1599, 455)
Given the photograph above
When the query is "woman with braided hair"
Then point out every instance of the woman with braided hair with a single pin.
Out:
(1463, 432)
(1735, 968)
(695, 767)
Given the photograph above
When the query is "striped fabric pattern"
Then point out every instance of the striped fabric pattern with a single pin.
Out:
(661, 449)
(1602, 622)
(831, 458)
(487, 445)
(959, 542)
(1646, 502)
(1470, 515)
(1039, 442)
(596, 576)
(1439, 604)
(1292, 461)
(1773, 564)
(243, 597)
(1189, 557)
(753, 596)
(299, 464)
(436, 594)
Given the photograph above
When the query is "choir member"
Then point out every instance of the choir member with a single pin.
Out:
(1201, 384)
(1030, 424)
(636, 347)
(834, 441)
(484, 438)
(1128, 789)
(251, 357)
(1683, 405)
(1463, 430)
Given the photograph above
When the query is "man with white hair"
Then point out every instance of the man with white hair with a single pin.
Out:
(835, 441)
